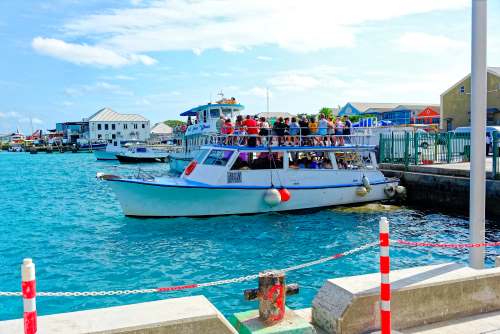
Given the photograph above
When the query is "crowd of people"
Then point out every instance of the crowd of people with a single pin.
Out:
(253, 131)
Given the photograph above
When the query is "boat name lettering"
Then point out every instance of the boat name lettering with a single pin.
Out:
(233, 177)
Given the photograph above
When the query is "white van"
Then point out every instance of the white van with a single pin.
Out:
(466, 129)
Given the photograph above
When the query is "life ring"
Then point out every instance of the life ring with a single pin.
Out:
(390, 191)
(190, 168)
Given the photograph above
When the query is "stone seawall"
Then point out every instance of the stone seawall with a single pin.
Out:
(445, 191)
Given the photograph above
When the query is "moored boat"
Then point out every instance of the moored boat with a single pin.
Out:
(225, 180)
(142, 154)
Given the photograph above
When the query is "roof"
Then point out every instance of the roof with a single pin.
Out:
(492, 70)
(417, 107)
(364, 106)
(108, 115)
(161, 128)
(193, 111)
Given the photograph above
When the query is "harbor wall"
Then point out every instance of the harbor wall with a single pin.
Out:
(444, 191)
(419, 296)
(188, 315)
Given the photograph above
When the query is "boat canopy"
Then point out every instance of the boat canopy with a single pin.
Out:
(195, 110)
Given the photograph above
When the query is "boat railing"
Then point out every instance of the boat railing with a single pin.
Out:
(283, 137)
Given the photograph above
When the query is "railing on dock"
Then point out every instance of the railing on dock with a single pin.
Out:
(424, 148)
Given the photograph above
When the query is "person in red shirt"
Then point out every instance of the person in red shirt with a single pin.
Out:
(252, 130)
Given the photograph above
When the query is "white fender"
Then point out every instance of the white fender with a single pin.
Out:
(366, 183)
(99, 175)
(400, 190)
(361, 191)
(272, 197)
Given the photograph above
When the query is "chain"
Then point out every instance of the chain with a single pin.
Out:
(192, 286)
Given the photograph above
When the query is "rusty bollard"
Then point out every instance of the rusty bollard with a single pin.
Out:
(271, 295)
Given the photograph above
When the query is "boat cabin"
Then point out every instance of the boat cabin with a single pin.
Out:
(206, 116)
(282, 166)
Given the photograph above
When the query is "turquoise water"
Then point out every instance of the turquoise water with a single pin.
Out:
(55, 211)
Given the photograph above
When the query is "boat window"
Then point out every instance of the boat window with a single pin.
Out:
(205, 116)
(218, 157)
(309, 160)
(214, 113)
(258, 160)
(200, 155)
(351, 160)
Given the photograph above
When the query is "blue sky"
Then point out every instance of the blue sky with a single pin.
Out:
(65, 59)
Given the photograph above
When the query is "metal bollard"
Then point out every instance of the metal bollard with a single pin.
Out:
(271, 294)
(29, 296)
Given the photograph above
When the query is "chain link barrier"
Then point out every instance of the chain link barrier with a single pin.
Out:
(190, 286)
(445, 245)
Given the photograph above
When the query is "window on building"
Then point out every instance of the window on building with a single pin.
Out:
(125, 126)
(99, 136)
(106, 127)
(99, 127)
(113, 127)
(462, 90)
(143, 126)
(113, 136)
(135, 125)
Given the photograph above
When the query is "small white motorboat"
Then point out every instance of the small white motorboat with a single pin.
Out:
(226, 180)
(141, 154)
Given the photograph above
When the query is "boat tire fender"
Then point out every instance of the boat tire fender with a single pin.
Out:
(390, 190)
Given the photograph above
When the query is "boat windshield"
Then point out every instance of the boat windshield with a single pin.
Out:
(218, 157)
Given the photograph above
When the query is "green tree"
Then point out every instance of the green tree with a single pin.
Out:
(328, 112)
(174, 122)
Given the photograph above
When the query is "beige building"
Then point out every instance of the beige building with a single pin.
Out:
(455, 102)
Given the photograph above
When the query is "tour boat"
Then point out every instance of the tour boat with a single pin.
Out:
(140, 154)
(204, 127)
(227, 180)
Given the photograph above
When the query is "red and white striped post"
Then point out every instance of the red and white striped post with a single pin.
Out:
(29, 296)
(385, 283)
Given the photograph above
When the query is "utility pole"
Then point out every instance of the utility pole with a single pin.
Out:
(478, 132)
(267, 100)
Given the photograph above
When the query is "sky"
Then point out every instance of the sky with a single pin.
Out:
(62, 60)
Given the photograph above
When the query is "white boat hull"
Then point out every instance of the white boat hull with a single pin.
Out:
(147, 199)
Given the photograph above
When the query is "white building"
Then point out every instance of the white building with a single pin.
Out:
(107, 124)
(161, 131)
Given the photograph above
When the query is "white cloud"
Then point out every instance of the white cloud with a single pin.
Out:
(306, 79)
(98, 87)
(257, 92)
(426, 43)
(83, 54)
(236, 25)
(264, 58)
(33, 120)
(10, 114)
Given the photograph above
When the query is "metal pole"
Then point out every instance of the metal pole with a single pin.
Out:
(478, 133)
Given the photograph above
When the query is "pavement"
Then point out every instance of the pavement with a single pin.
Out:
(486, 323)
